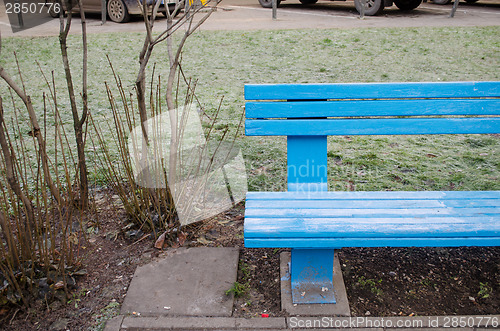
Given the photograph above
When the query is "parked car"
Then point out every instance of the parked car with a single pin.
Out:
(373, 7)
(120, 10)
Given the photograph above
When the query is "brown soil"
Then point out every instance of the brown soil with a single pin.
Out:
(379, 281)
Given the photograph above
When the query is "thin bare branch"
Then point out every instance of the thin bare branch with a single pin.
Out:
(36, 132)
(9, 159)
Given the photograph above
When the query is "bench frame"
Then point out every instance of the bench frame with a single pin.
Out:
(308, 113)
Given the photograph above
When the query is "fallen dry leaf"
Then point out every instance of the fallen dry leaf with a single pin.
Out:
(202, 240)
(59, 285)
(160, 241)
(181, 238)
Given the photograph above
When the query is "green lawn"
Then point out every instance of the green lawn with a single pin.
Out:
(223, 62)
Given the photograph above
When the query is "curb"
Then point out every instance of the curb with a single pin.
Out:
(436, 323)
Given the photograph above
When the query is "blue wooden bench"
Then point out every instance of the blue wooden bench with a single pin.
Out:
(312, 221)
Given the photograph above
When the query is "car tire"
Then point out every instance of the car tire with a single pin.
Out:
(441, 2)
(375, 7)
(407, 4)
(51, 11)
(308, 2)
(269, 3)
(117, 11)
(53, 14)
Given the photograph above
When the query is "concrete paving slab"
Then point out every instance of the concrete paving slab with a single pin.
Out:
(114, 324)
(355, 329)
(341, 308)
(203, 323)
(187, 282)
(172, 323)
(256, 323)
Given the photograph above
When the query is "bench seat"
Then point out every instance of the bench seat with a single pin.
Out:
(372, 219)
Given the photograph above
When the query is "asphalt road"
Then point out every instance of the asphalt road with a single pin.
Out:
(249, 15)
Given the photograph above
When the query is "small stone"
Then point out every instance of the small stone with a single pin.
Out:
(472, 299)
(368, 313)
(392, 274)
(61, 324)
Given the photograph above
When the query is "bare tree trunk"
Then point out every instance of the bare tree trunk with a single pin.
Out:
(173, 58)
(170, 50)
(173, 114)
(78, 123)
(140, 88)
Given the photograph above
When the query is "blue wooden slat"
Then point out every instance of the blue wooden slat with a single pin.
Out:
(371, 242)
(380, 212)
(354, 231)
(286, 227)
(371, 90)
(374, 195)
(426, 107)
(307, 162)
(255, 205)
(402, 126)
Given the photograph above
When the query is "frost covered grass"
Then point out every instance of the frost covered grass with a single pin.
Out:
(222, 62)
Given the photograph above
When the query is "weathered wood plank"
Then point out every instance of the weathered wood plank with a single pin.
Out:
(311, 205)
(376, 126)
(335, 243)
(374, 195)
(381, 212)
(410, 107)
(372, 90)
(289, 227)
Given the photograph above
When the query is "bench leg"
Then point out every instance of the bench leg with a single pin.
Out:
(311, 274)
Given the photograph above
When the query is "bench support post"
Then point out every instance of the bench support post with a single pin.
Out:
(311, 270)
(311, 273)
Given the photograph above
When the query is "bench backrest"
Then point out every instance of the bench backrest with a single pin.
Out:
(308, 113)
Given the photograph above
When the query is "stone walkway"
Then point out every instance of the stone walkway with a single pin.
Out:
(186, 291)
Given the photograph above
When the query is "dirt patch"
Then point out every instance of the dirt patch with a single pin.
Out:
(422, 281)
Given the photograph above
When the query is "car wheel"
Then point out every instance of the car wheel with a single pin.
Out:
(117, 11)
(308, 2)
(269, 3)
(441, 2)
(53, 13)
(55, 8)
(407, 4)
(373, 7)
